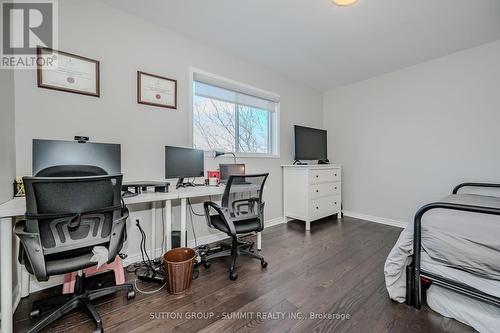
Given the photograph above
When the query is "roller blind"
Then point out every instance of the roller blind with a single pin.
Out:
(205, 86)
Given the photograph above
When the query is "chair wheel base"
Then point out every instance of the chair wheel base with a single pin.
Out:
(233, 275)
(263, 264)
(130, 295)
(206, 264)
(34, 314)
(196, 273)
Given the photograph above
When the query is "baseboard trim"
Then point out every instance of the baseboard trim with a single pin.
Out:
(212, 238)
(376, 219)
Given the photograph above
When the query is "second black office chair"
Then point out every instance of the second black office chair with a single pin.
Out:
(241, 212)
(69, 211)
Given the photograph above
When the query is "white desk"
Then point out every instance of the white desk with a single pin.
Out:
(17, 207)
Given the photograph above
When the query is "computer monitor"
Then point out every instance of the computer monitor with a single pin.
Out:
(227, 170)
(48, 153)
(183, 163)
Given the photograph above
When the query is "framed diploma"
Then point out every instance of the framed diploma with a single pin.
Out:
(156, 90)
(69, 72)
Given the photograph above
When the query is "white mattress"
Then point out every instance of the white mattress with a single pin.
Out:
(483, 317)
(488, 286)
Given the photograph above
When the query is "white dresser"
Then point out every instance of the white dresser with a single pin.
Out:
(311, 192)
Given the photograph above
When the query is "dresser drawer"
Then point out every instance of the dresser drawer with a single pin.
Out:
(322, 207)
(324, 190)
(317, 176)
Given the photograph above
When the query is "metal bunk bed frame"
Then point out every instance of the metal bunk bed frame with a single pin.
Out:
(416, 277)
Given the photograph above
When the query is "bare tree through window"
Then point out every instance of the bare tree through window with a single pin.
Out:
(220, 125)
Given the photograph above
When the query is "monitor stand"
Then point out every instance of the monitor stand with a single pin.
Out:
(298, 162)
(181, 183)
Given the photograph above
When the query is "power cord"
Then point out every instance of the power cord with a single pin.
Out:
(191, 212)
(146, 270)
(148, 292)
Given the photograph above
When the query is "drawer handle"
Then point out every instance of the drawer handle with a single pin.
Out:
(335, 187)
(317, 207)
(335, 203)
(317, 191)
(317, 176)
(335, 175)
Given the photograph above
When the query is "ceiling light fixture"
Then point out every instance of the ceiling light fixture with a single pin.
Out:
(344, 2)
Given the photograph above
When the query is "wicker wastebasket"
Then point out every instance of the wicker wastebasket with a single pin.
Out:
(179, 265)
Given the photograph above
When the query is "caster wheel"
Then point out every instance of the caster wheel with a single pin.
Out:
(35, 313)
(130, 295)
(206, 264)
(196, 274)
(233, 275)
(98, 330)
(263, 264)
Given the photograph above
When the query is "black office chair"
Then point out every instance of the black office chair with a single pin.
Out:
(66, 217)
(241, 212)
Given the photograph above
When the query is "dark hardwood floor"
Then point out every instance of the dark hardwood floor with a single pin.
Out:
(335, 269)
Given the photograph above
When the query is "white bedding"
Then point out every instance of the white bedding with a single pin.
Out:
(464, 240)
(461, 246)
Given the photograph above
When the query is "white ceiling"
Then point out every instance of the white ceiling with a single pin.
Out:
(325, 46)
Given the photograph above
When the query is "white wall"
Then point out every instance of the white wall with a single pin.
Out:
(406, 138)
(7, 146)
(124, 44)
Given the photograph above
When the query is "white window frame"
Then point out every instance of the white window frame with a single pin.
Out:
(276, 121)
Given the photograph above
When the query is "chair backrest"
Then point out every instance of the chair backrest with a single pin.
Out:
(72, 212)
(243, 196)
(71, 171)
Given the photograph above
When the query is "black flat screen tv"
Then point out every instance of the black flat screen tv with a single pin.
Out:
(310, 144)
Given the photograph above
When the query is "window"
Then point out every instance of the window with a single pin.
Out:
(233, 118)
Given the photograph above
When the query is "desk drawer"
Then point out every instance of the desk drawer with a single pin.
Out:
(324, 206)
(324, 190)
(317, 176)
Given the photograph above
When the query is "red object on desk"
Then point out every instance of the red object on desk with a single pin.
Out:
(213, 174)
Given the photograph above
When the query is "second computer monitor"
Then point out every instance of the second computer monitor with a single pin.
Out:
(227, 170)
(183, 163)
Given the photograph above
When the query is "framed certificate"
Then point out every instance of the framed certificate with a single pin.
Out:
(68, 72)
(156, 90)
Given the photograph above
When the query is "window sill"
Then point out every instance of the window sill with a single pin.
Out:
(208, 154)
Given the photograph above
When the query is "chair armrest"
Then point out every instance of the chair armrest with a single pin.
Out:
(125, 215)
(118, 231)
(261, 214)
(32, 246)
(222, 212)
(487, 185)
